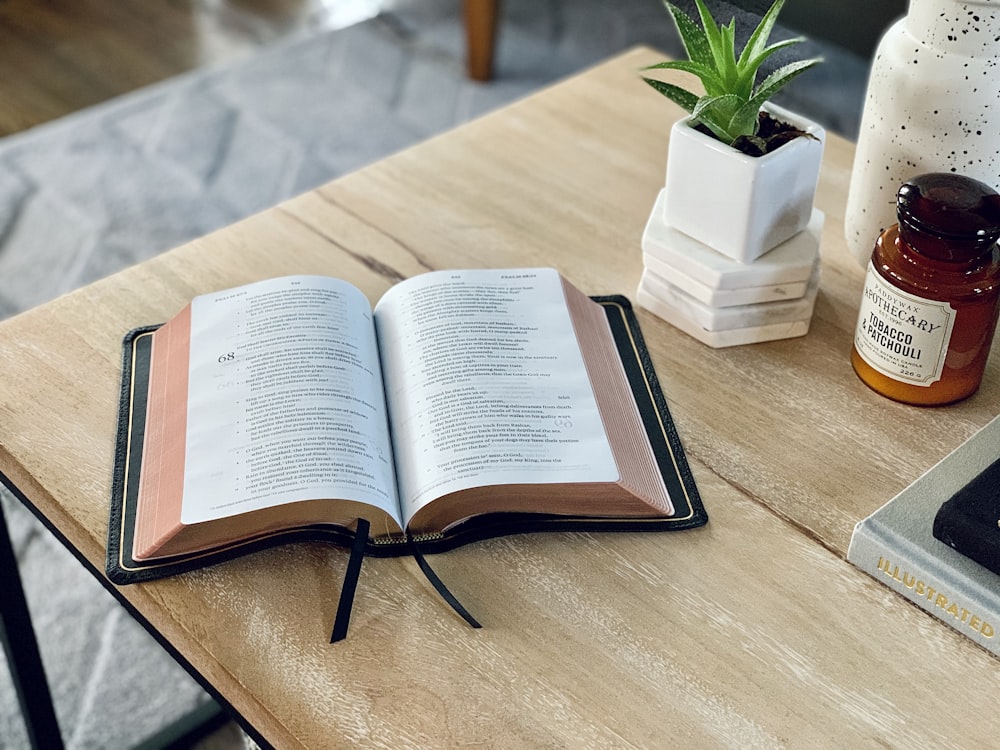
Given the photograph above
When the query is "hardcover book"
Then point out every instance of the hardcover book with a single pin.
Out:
(897, 545)
(969, 521)
(466, 404)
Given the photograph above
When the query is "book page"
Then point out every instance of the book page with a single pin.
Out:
(285, 400)
(486, 385)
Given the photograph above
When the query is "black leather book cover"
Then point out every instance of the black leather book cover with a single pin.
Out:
(122, 568)
(969, 521)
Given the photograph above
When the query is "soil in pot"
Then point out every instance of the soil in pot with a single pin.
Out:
(772, 134)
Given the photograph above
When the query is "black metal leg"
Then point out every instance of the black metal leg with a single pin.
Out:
(21, 648)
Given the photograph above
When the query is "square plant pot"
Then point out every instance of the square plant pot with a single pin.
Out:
(739, 205)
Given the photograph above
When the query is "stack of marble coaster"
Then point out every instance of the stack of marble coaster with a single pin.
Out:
(725, 302)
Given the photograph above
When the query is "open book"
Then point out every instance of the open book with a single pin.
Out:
(467, 404)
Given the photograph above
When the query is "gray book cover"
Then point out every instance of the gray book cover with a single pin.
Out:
(897, 547)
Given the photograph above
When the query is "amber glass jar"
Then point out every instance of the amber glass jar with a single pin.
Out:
(929, 307)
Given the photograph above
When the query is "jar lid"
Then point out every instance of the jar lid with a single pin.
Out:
(962, 212)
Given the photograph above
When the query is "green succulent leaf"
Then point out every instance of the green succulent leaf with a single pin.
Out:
(692, 37)
(770, 85)
(708, 76)
(752, 66)
(732, 98)
(726, 54)
(744, 120)
(676, 94)
(758, 39)
(717, 114)
(712, 33)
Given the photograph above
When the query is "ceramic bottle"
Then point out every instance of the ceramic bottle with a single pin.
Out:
(933, 105)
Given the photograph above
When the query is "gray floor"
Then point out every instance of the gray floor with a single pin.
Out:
(85, 196)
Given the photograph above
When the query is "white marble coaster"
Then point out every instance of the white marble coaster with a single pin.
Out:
(790, 262)
(648, 297)
(748, 295)
(727, 318)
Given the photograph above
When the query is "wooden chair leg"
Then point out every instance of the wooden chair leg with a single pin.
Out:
(480, 33)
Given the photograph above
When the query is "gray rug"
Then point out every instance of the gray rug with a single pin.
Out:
(107, 187)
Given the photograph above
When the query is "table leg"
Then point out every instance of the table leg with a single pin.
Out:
(21, 648)
(480, 33)
(34, 697)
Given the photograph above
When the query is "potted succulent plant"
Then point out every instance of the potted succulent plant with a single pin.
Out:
(741, 172)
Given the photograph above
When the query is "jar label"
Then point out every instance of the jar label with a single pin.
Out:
(901, 335)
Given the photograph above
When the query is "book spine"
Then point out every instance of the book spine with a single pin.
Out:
(906, 569)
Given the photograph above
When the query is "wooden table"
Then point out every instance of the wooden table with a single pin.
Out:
(751, 632)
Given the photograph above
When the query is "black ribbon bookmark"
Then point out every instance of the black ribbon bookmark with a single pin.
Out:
(354, 571)
(350, 582)
(438, 584)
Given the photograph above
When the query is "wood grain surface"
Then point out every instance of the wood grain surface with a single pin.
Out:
(59, 56)
(752, 632)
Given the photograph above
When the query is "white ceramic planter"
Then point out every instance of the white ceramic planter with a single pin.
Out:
(739, 205)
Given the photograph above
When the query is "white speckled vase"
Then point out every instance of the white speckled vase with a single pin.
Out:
(933, 105)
